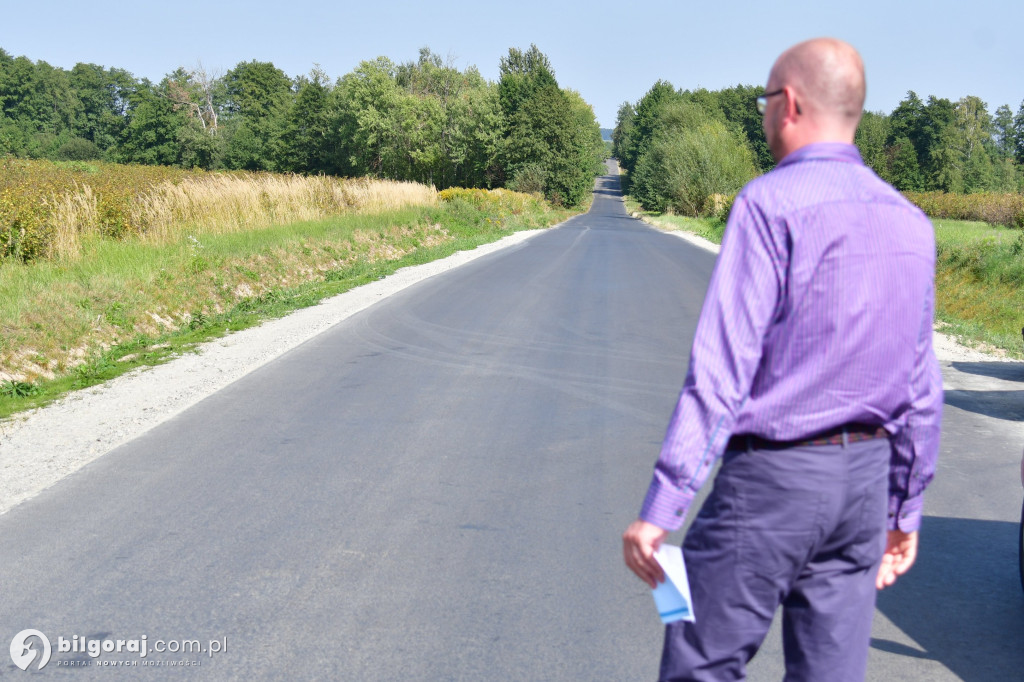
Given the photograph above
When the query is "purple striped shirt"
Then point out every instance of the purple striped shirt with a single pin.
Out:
(819, 313)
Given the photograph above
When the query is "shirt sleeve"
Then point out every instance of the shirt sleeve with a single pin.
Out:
(741, 302)
(915, 448)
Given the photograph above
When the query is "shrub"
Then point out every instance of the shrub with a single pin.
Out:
(529, 179)
(722, 205)
(492, 200)
(79, 149)
(683, 169)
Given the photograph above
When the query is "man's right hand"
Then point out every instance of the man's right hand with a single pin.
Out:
(638, 545)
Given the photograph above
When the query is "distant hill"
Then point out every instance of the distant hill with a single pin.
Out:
(606, 134)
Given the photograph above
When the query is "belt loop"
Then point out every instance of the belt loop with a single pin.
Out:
(750, 443)
(846, 437)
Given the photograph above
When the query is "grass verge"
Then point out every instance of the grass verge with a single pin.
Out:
(127, 304)
(979, 282)
(711, 229)
(979, 278)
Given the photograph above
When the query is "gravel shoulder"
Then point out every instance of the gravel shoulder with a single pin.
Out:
(40, 447)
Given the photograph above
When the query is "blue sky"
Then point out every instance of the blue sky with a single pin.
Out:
(610, 52)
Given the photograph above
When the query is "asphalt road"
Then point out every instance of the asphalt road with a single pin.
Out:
(435, 489)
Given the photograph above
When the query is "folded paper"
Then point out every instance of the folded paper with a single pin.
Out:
(672, 597)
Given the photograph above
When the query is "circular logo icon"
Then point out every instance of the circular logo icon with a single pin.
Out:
(22, 654)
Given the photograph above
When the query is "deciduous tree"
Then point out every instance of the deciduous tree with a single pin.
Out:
(257, 97)
(692, 155)
(870, 139)
(1003, 132)
(305, 141)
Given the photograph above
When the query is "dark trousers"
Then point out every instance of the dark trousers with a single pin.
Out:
(803, 528)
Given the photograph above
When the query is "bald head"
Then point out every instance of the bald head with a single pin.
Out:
(828, 76)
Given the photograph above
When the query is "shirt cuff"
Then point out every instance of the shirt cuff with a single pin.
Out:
(665, 505)
(905, 514)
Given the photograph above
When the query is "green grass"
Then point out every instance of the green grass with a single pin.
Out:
(126, 304)
(979, 277)
(711, 229)
(980, 284)
(963, 231)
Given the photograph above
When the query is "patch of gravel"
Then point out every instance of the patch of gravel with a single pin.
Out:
(40, 447)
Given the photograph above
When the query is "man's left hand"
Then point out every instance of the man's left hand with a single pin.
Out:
(638, 545)
(900, 552)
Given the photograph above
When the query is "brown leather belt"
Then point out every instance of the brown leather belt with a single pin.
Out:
(854, 433)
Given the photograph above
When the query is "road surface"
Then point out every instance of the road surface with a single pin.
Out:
(435, 489)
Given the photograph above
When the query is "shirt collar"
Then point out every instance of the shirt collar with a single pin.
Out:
(832, 151)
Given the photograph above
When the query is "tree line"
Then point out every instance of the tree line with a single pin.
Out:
(940, 145)
(423, 120)
(681, 148)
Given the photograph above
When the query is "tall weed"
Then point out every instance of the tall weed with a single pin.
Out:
(46, 209)
(989, 207)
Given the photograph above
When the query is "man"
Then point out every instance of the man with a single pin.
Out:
(812, 369)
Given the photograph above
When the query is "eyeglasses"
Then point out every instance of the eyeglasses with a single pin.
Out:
(762, 100)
